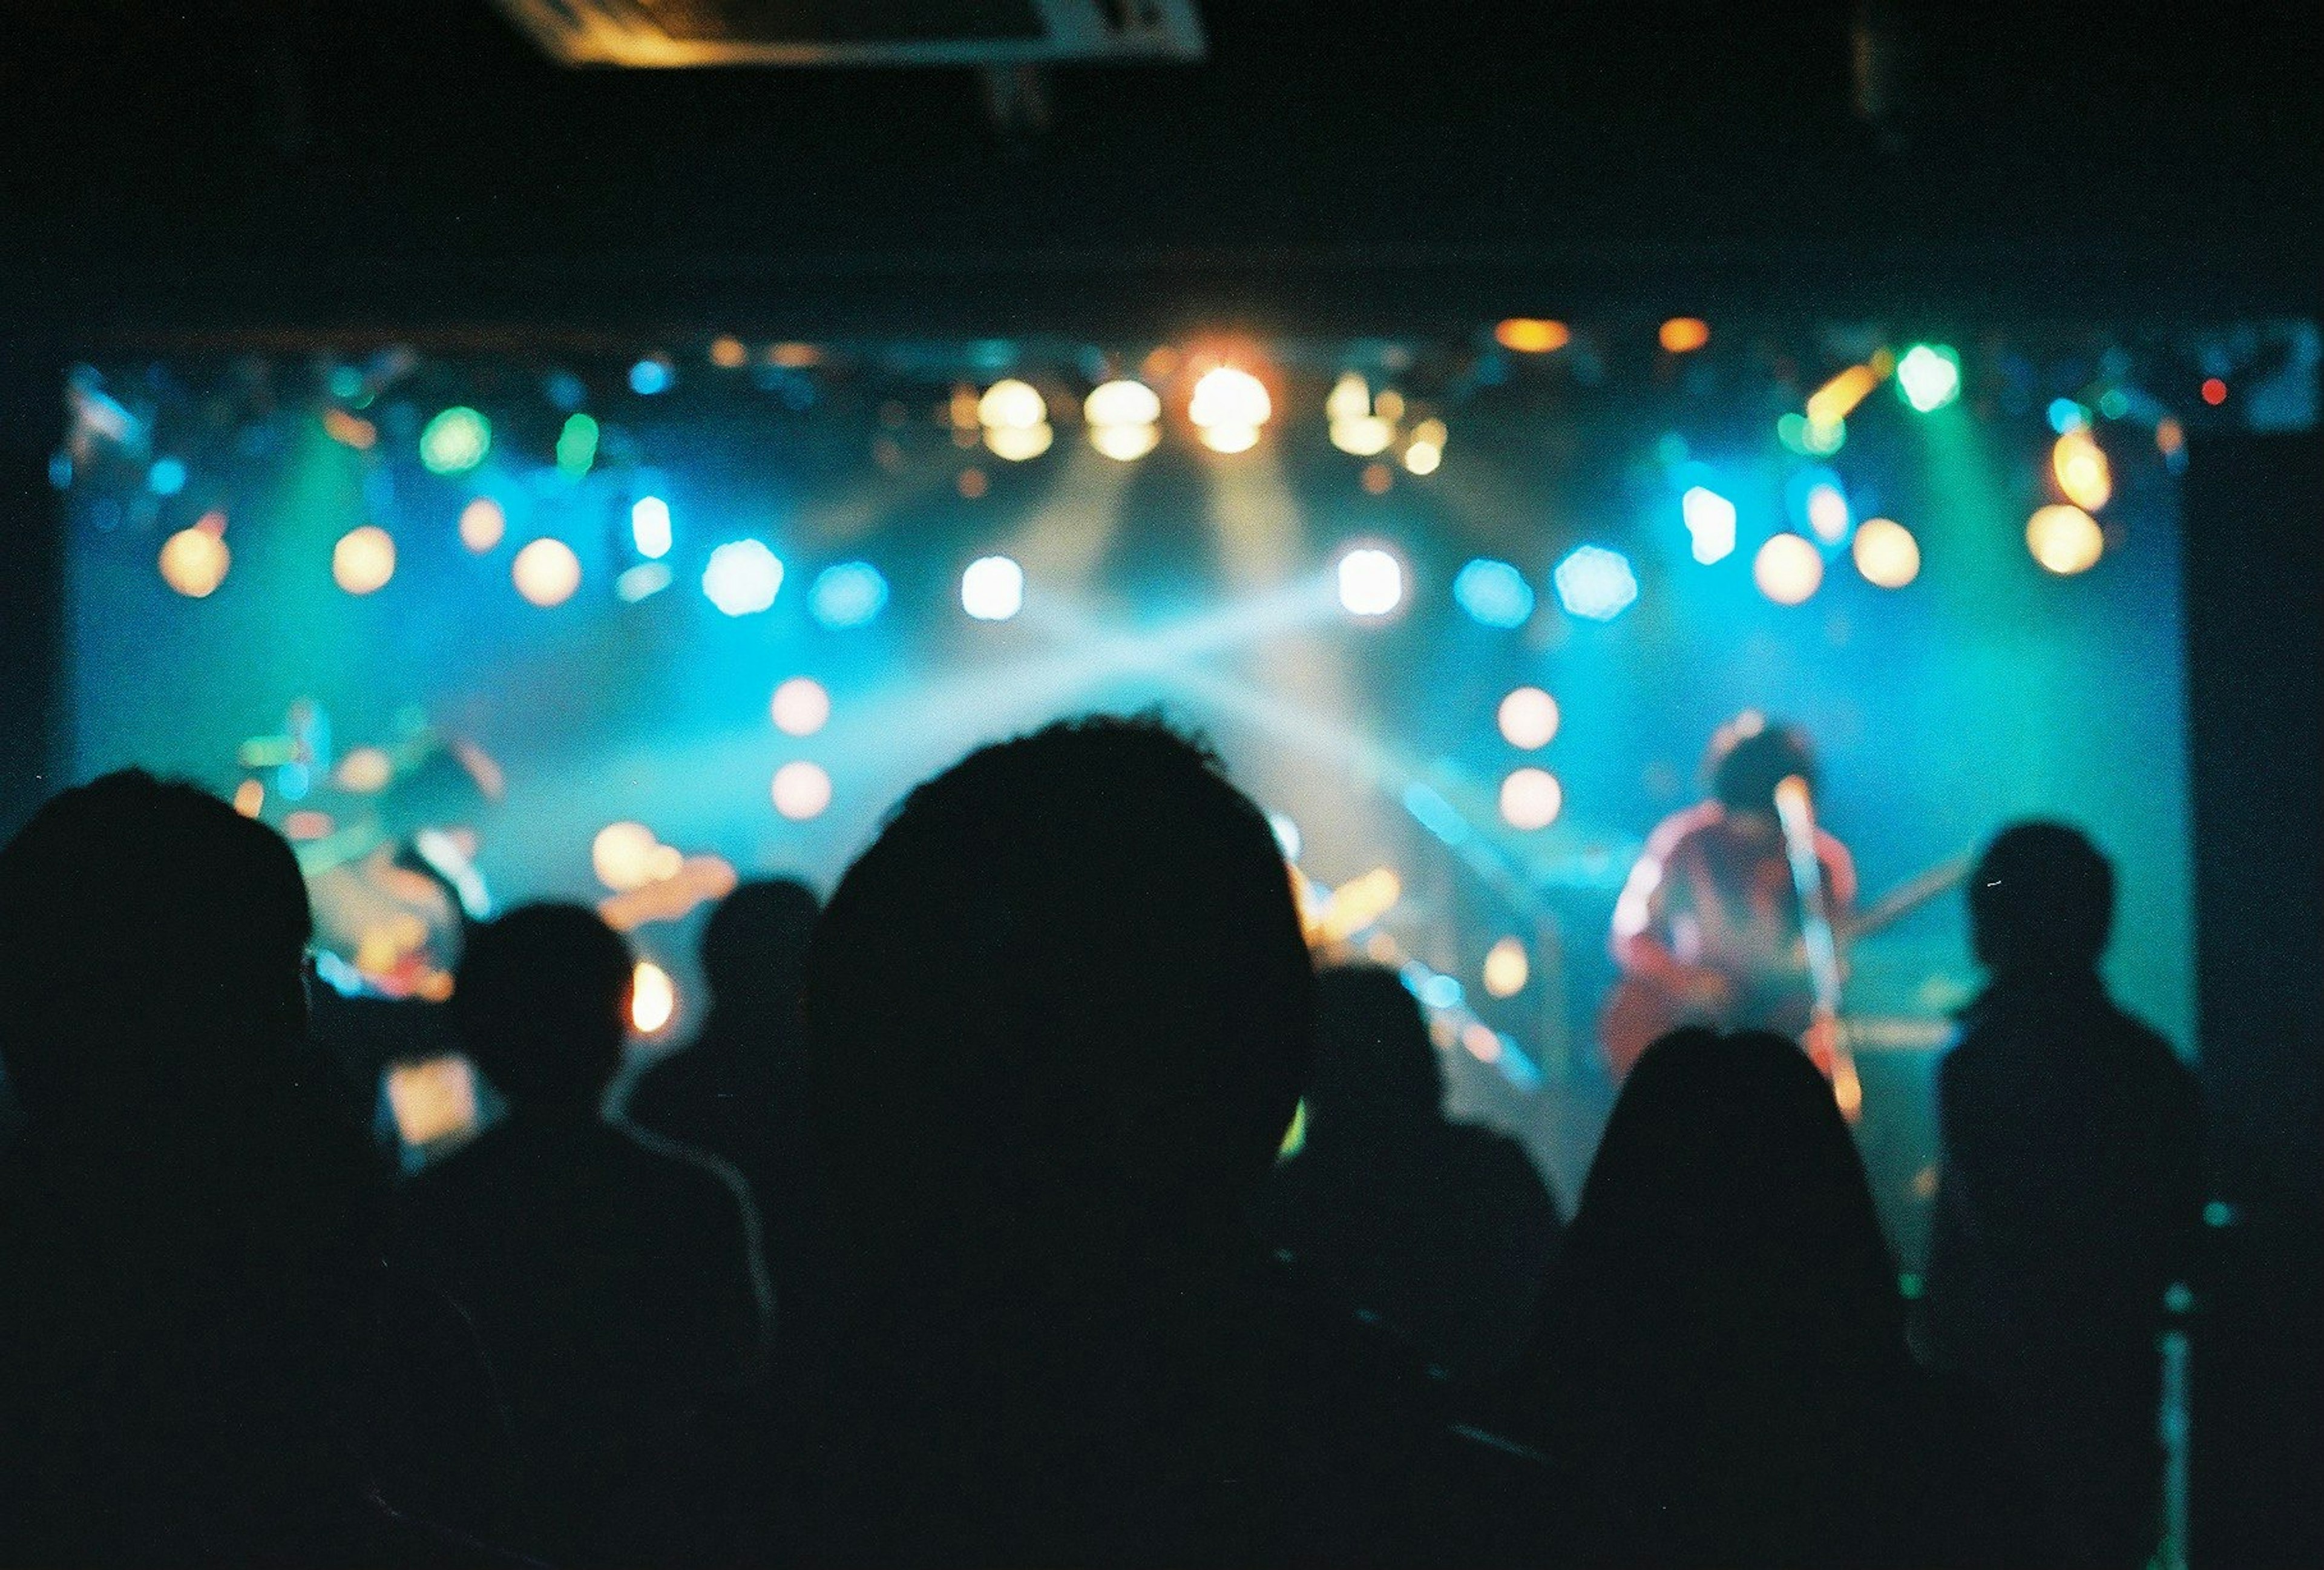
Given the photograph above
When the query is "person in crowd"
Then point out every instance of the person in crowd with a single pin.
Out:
(738, 1091)
(1057, 1017)
(1439, 1230)
(614, 1278)
(1721, 1363)
(202, 1359)
(2069, 1190)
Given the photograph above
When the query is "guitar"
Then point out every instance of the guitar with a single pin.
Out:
(1641, 1010)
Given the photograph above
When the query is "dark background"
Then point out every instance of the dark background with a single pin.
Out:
(269, 170)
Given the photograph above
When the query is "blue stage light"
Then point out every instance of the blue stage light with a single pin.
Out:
(847, 593)
(651, 375)
(1595, 582)
(1493, 593)
(743, 578)
(1441, 992)
(167, 477)
(2066, 414)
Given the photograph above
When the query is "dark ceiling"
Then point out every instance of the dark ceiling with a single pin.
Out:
(305, 163)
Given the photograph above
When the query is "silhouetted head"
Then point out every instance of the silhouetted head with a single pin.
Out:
(1062, 1002)
(542, 1003)
(754, 945)
(1750, 756)
(2042, 900)
(1726, 1194)
(1374, 1062)
(151, 950)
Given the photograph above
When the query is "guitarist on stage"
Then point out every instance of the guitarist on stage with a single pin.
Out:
(1708, 928)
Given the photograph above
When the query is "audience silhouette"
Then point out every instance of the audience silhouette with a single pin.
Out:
(1722, 1364)
(202, 1359)
(2070, 1189)
(1058, 1016)
(1439, 1230)
(739, 1091)
(614, 1278)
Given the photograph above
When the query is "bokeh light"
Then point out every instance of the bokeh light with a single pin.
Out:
(1125, 443)
(1710, 523)
(546, 572)
(1422, 456)
(2064, 539)
(642, 582)
(1530, 334)
(1531, 799)
(1804, 437)
(364, 771)
(649, 528)
(363, 559)
(1528, 718)
(992, 588)
(194, 562)
(1227, 397)
(1370, 580)
(1594, 583)
(1231, 439)
(1683, 334)
(1507, 969)
(1493, 593)
(801, 791)
(1828, 513)
(2066, 414)
(2082, 469)
(743, 578)
(576, 445)
(651, 375)
(1121, 402)
(801, 706)
(1928, 377)
(729, 352)
(2215, 391)
(1012, 405)
(1288, 838)
(625, 857)
(1361, 435)
(1788, 568)
(1017, 443)
(166, 476)
(847, 593)
(250, 799)
(1885, 553)
(482, 524)
(455, 441)
(654, 998)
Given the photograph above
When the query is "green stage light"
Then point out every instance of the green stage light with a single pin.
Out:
(1929, 376)
(455, 441)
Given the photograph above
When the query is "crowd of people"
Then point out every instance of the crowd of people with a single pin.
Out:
(965, 1232)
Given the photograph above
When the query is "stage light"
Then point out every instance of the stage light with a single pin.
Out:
(1388, 405)
(1507, 968)
(166, 476)
(2083, 471)
(992, 588)
(1351, 398)
(650, 526)
(1481, 1041)
(1377, 479)
(250, 799)
(653, 999)
(363, 559)
(1710, 522)
(642, 582)
(1371, 582)
(1594, 583)
(2066, 415)
(1125, 443)
(972, 484)
(801, 706)
(482, 524)
(1493, 593)
(1928, 377)
(1287, 835)
(1828, 513)
(1837, 398)
(2114, 404)
(2170, 441)
(1011, 405)
(1885, 553)
(1528, 335)
(1362, 435)
(546, 572)
(1018, 443)
(1226, 397)
(1528, 718)
(455, 441)
(365, 770)
(625, 856)
(2215, 391)
(1121, 402)
(801, 791)
(348, 430)
(576, 445)
(1531, 799)
(651, 375)
(1788, 570)
(2064, 539)
(1441, 992)
(1423, 458)
(847, 593)
(729, 354)
(743, 578)
(1683, 334)
(1231, 439)
(194, 562)
(1802, 435)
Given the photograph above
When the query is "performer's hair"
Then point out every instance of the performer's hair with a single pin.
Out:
(1750, 755)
